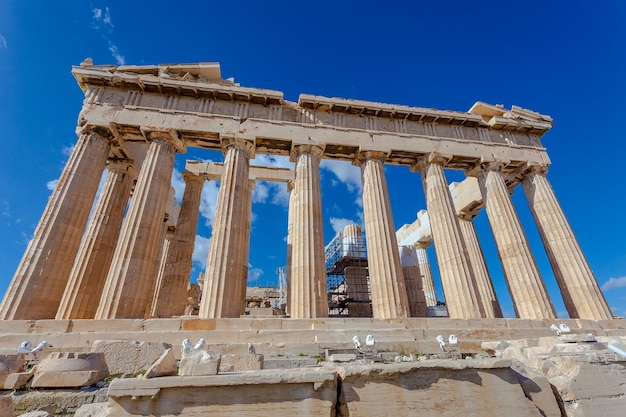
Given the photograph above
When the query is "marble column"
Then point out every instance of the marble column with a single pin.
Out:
(426, 273)
(580, 290)
(413, 281)
(456, 274)
(486, 293)
(171, 298)
(37, 287)
(129, 287)
(528, 292)
(228, 257)
(168, 236)
(84, 289)
(389, 296)
(290, 211)
(308, 295)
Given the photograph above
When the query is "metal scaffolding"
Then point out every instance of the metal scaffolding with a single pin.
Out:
(347, 279)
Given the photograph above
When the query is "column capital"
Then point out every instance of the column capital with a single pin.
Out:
(122, 166)
(189, 176)
(240, 142)
(297, 150)
(170, 136)
(99, 131)
(484, 165)
(363, 156)
(422, 244)
(429, 159)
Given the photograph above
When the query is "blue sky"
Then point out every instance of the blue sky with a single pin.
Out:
(562, 58)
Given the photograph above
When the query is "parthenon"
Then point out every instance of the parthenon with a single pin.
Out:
(135, 262)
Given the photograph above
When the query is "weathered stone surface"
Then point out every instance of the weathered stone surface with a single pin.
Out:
(61, 402)
(197, 362)
(17, 380)
(262, 393)
(10, 364)
(244, 361)
(164, 366)
(466, 389)
(93, 410)
(129, 357)
(6, 405)
(70, 370)
(37, 414)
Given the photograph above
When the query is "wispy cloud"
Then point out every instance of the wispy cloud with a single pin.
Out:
(345, 172)
(51, 185)
(101, 22)
(254, 273)
(339, 223)
(614, 283)
(201, 250)
(3, 42)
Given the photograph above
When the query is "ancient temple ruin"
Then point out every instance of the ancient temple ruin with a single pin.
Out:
(134, 121)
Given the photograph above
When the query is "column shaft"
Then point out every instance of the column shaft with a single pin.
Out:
(389, 295)
(290, 211)
(413, 281)
(227, 259)
(168, 236)
(42, 275)
(456, 276)
(171, 298)
(129, 287)
(308, 295)
(581, 293)
(428, 282)
(528, 292)
(486, 293)
(84, 288)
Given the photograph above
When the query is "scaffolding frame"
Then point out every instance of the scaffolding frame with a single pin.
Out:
(347, 279)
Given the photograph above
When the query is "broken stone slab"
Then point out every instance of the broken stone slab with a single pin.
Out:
(576, 338)
(197, 362)
(289, 362)
(494, 348)
(38, 413)
(10, 364)
(164, 366)
(243, 361)
(129, 357)
(17, 380)
(63, 369)
(341, 357)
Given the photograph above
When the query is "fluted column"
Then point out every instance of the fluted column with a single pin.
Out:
(528, 292)
(389, 296)
(84, 288)
(457, 278)
(308, 295)
(581, 293)
(290, 211)
(171, 298)
(227, 260)
(168, 236)
(37, 287)
(413, 281)
(129, 287)
(428, 282)
(486, 293)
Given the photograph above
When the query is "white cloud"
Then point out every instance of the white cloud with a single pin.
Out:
(51, 185)
(179, 185)
(254, 273)
(208, 201)
(201, 250)
(614, 283)
(101, 22)
(345, 172)
(66, 151)
(3, 42)
(275, 161)
(339, 223)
